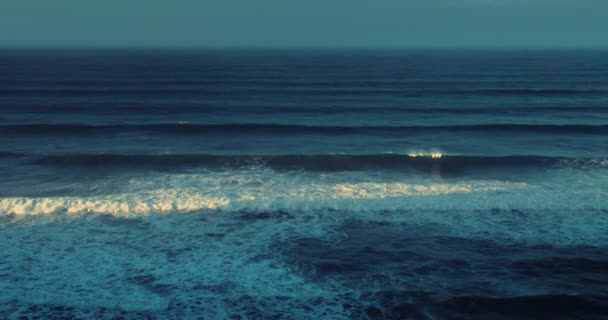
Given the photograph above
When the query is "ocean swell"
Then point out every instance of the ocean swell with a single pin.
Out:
(347, 196)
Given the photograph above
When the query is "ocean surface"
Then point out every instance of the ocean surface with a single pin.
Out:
(303, 184)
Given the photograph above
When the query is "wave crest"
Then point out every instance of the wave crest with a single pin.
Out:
(351, 196)
(189, 129)
(435, 162)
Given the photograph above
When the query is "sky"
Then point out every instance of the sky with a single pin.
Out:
(304, 23)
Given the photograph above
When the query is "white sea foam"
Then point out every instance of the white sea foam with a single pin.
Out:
(150, 260)
(265, 189)
(237, 193)
(123, 204)
(434, 155)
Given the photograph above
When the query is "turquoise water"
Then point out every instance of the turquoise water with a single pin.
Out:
(227, 184)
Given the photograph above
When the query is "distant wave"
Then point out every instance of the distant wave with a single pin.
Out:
(296, 91)
(239, 80)
(314, 162)
(189, 108)
(244, 128)
(533, 92)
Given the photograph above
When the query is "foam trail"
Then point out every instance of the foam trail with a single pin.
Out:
(351, 196)
(125, 204)
(433, 155)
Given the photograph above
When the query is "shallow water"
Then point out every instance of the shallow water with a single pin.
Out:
(304, 185)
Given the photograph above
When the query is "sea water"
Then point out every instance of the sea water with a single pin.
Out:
(303, 184)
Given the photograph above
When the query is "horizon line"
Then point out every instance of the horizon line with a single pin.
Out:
(302, 47)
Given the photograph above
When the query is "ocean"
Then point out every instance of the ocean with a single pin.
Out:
(303, 184)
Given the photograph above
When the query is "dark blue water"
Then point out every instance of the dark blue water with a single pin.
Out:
(294, 184)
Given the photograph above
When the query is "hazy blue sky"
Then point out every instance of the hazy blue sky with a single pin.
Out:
(334, 23)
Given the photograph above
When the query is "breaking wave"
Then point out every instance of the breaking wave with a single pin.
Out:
(413, 161)
(233, 194)
(238, 128)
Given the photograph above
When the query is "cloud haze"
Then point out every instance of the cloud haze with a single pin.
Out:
(325, 23)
